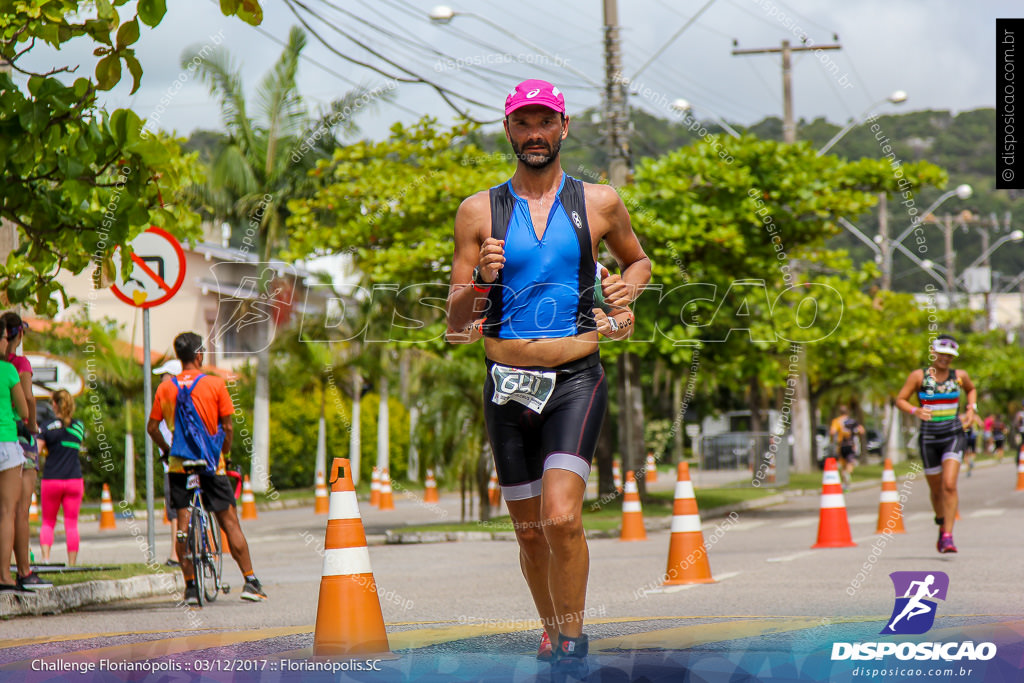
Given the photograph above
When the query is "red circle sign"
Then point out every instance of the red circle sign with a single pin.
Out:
(158, 273)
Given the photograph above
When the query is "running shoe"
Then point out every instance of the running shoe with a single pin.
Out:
(946, 544)
(191, 595)
(253, 590)
(14, 588)
(544, 651)
(33, 582)
(570, 658)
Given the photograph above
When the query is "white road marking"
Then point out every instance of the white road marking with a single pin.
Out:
(675, 589)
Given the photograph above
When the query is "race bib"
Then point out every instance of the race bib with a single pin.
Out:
(192, 482)
(532, 388)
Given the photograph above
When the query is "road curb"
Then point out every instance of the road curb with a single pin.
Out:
(398, 537)
(66, 598)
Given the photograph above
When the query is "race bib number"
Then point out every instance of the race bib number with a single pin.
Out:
(532, 388)
(192, 482)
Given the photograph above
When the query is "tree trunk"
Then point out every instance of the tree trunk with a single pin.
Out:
(259, 474)
(603, 456)
(756, 400)
(321, 436)
(413, 473)
(802, 424)
(635, 410)
(354, 434)
(483, 478)
(679, 425)
(383, 426)
(129, 454)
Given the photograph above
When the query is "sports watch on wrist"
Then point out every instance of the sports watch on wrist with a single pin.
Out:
(480, 284)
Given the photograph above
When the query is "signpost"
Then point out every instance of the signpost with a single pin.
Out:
(159, 270)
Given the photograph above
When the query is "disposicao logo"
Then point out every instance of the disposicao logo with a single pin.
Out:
(912, 614)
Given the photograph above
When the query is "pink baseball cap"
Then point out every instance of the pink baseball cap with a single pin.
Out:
(535, 91)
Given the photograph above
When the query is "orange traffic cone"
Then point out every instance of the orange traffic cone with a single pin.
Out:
(163, 515)
(1020, 469)
(890, 512)
(617, 476)
(349, 620)
(430, 495)
(375, 487)
(33, 509)
(632, 515)
(493, 496)
(687, 556)
(106, 510)
(833, 526)
(321, 502)
(387, 498)
(248, 500)
(651, 469)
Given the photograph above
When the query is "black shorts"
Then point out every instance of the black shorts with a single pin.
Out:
(937, 449)
(564, 436)
(217, 491)
(847, 452)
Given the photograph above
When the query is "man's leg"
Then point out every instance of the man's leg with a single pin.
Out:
(236, 539)
(534, 557)
(569, 566)
(187, 570)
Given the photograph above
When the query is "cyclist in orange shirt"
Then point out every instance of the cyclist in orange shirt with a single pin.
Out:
(213, 403)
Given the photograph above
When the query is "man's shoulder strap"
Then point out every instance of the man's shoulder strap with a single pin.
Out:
(502, 204)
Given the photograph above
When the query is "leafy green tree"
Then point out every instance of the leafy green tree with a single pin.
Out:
(78, 181)
(261, 164)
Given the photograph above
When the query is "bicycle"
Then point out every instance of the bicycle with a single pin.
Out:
(203, 540)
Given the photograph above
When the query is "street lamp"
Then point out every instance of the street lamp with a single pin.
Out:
(961, 192)
(1015, 236)
(682, 106)
(442, 14)
(897, 97)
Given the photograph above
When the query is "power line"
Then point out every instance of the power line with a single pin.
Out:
(445, 93)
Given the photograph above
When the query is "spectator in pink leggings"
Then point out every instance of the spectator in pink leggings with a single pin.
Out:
(62, 484)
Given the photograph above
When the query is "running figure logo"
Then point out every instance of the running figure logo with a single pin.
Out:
(913, 612)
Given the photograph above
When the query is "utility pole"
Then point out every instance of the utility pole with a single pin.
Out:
(800, 427)
(788, 120)
(616, 110)
(883, 232)
(947, 229)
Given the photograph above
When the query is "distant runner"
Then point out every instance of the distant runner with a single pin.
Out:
(942, 437)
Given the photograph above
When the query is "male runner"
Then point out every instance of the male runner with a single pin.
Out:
(213, 403)
(942, 438)
(525, 255)
(844, 431)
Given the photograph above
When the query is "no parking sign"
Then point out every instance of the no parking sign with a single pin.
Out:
(158, 273)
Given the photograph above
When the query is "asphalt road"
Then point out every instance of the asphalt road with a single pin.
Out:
(467, 601)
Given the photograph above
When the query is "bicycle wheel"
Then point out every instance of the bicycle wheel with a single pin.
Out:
(211, 558)
(195, 549)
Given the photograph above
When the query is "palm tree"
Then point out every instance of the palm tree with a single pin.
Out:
(264, 162)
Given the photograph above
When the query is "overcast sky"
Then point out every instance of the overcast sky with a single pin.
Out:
(941, 52)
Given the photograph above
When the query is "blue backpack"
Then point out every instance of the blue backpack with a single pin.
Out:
(191, 440)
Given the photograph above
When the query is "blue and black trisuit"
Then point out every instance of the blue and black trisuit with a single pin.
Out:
(544, 291)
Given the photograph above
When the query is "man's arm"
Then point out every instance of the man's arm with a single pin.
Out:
(972, 398)
(466, 302)
(153, 429)
(620, 290)
(229, 434)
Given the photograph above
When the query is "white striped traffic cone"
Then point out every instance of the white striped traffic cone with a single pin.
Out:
(493, 495)
(687, 555)
(33, 509)
(106, 510)
(248, 500)
(617, 476)
(890, 515)
(349, 620)
(833, 526)
(387, 498)
(375, 487)
(430, 495)
(321, 503)
(632, 515)
(651, 469)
